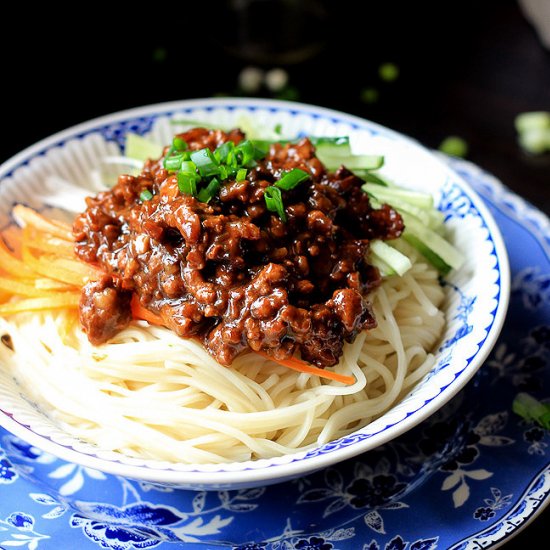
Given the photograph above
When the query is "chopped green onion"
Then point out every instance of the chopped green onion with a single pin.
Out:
(222, 152)
(179, 144)
(247, 152)
(206, 162)
(388, 72)
(224, 171)
(188, 166)
(274, 201)
(187, 183)
(454, 146)
(173, 162)
(206, 193)
(278, 129)
(531, 409)
(145, 195)
(369, 95)
(241, 174)
(291, 179)
(534, 120)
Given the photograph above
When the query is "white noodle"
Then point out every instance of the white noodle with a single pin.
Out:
(149, 393)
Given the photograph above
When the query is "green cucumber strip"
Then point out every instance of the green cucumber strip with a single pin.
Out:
(436, 243)
(325, 149)
(389, 195)
(140, 148)
(398, 262)
(383, 267)
(369, 177)
(429, 254)
(433, 217)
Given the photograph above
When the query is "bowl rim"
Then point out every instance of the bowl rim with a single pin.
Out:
(263, 472)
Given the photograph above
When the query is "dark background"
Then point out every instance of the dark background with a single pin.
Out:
(465, 68)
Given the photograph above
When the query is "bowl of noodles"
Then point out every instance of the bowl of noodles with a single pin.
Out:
(230, 293)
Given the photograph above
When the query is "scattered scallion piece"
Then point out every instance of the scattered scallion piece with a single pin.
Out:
(145, 195)
(369, 95)
(534, 131)
(274, 201)
(223, 152)
(454, 146)
(532, 409)
(179, 144)
(187, 183)
(206, 162)
(291, 179)
(173, 163)
(241, 174)
(388, 72)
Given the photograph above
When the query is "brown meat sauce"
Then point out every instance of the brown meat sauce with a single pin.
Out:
(229, 272)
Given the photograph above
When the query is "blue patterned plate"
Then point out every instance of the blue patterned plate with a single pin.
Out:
(468, 477)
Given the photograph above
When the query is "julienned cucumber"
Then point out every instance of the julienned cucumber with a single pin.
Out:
(423, 224)
(432, 217)
(140, 148)
(389, 260)
(392, 194)
(440, 252)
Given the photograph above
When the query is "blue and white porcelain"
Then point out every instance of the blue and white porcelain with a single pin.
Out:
(475, 307)
(468, 477)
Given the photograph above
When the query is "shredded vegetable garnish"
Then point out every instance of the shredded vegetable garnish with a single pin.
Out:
(388, 72)
(534, 131)
(454, 146)
(532, 409)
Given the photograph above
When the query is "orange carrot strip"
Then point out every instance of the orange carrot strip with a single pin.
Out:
(45, 283)
(140, 312)
(32, 218)
(302, 366)
(13, 265)
(48, 243)
(47, 266)
(53, 301)
(19, 288)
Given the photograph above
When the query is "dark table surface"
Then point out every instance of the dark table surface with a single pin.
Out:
(465, 69)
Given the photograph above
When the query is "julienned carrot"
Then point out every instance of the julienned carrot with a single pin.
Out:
(140, 312)
(302, 366)
(34, 219)
(20, 288)
(13, 265)
(48, 243)
(53, 301)
(47, 267)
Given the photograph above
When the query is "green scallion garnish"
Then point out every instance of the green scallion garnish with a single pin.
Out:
(222, 152)
(532, 409)
(241, 174)
(291, 179)
(179, 144)
(187, 183)
(173, 162)
(145, 195)
(274, 201)
(206, 193)
(206, 163)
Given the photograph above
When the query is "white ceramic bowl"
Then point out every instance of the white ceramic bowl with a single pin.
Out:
(477, 294)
